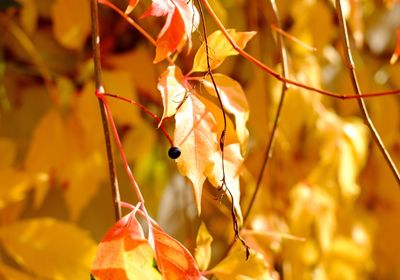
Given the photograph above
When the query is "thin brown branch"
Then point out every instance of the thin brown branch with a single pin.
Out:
(236, 227)
(352, 73)
(99, 88)
(278, 76)
(271, 139)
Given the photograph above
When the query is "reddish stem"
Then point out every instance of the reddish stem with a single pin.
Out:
(102, 97)
(278, 76)
(147, 111)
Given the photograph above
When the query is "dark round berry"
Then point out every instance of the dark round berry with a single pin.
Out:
(174, 152)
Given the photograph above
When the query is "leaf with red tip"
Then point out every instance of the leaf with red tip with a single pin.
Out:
(195, 134)
(124, 253)
(182, 20)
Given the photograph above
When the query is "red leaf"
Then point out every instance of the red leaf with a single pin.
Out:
(159, 8)
(182, 19)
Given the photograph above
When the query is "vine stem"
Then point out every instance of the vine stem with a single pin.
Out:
(99, 88)
(114, 130)
(278, 76)
(147, 111)
(271, 139)
(356, 87)
(235, 222)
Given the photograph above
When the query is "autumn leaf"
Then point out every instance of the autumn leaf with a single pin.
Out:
(182, 20)
(124, 253)
(233, 161)
(234, 101)
(173, 91)
(49, 248)
(173, 259)
(71, 22)
(202, 252)
(219, 49)
(234, 267)
(195, 135)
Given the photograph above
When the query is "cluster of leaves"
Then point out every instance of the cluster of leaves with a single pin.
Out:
(328, 206)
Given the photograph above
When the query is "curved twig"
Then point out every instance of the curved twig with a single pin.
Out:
(352, 73)
(236, 227)
(278, 76)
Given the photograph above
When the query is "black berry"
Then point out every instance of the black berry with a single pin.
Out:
(174, 152)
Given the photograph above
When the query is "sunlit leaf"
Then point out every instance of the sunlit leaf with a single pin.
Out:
(219, 49)
(236, 267)
(173, 91)
(10, 273)
(71, 22)
(173, 259)
(196, 137)
(203, 247)
(8, 151)
(234, 101)
(124, 253)
(14, 185)
(49, 248)
(233, 161)
(182, 20)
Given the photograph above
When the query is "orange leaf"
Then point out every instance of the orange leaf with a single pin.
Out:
(195, 134)
(172, 89)
(182, 20)
(124, 253)
(234, 101)
(173, 259)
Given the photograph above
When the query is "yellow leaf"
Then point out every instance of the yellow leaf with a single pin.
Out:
(196, 137)
(219, 49)
(71, 20)
(49, 248)
(234, 101)
(233, 161)
(13, 187)
(10, 273)
(28, 16)
(143, 77)
(172, 89)
(8, 150)
(48, 151)
(119, 82)
(235, 266)
(202, 252)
